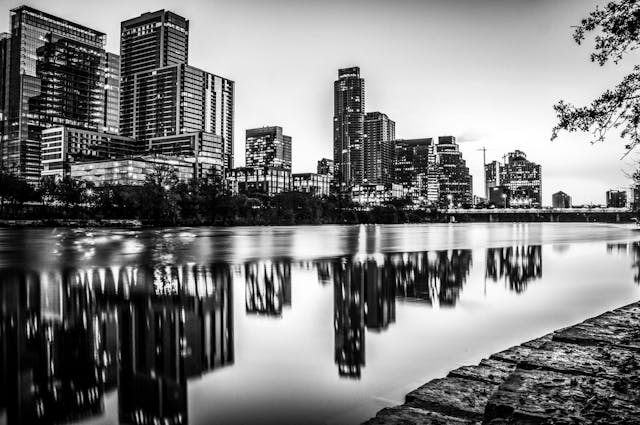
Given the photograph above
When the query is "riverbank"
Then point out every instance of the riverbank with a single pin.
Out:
(588, 373)
(57, 222)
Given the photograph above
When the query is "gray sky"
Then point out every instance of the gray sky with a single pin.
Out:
(486, 71)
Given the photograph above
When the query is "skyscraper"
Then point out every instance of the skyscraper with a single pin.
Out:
(53, 75)
(161, 95)
(379, 133)
(415, 167)
(150, 41)
(348, 127)
(456, 184)
(111, 115)
(520, 177)
(268, 147)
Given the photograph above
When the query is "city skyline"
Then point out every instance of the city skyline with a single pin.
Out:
(468, 94)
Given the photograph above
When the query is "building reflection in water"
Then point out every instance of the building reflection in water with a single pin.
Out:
(517, 265)
(267, 287)
(632, 249)
(69, 337)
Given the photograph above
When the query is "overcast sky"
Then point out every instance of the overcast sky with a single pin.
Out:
(485, 71)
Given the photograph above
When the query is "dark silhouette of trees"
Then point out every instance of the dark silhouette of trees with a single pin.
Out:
(616, 30)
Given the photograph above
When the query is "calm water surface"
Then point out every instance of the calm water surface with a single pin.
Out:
(287, 325)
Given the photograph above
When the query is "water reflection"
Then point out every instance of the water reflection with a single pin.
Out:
(70, 336)
(517, 265)
(632, 249)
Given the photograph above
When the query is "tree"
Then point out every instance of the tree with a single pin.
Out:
(616, 30)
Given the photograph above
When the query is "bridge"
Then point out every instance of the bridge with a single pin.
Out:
(594, 214)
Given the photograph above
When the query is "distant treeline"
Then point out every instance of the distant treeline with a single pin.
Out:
(162, 200)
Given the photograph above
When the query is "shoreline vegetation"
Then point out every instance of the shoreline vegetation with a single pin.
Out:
(164, 201)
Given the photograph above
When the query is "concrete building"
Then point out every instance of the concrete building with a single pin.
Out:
(315, 184)
(64, 146)
(264, 180)
(348, 128)
(379, 133)
(267, 147)
(560, 200)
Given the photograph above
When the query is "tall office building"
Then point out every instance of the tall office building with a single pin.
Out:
(415, 167)
(111, 115)
(348, 127)
(268, 147)
(53, 75)
(161, 95)
(616, 198)
(379, 133)
(560, 200)
(456, 184)
(150, 41)
(519, 177)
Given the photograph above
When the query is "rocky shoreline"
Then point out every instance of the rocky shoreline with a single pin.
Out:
(588, 373)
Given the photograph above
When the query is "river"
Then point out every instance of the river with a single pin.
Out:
(287, 325)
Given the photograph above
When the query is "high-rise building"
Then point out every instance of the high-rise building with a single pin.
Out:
(150, 41)
(53, 74)
(161, 95)
(379, 133)
(326, 167)
(268, 147)
(616, 198)
(522, 180)
(348, 127)
(456, 184)
(415, 167)
(111, 114)
(560, 200)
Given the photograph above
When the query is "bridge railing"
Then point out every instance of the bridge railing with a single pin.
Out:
(595, 210)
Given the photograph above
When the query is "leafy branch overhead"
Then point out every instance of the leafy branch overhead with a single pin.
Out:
(616, 29)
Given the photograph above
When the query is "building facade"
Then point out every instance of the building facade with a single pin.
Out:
(379, 133)
(375, 194)
(348, 128)
(523, 179)
(111, 114)
(616, 198)
(204, 150)
(268, 147)
(326, 167)
(264, 180)
(560, 200)
(53, 75)
(415, 168)
(315, 184)
(161, 95)
(455, 182)
(131, 171)
(64, 146)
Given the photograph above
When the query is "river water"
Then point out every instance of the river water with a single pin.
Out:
(287, 325)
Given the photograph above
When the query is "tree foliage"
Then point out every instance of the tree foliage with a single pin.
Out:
(616, 32)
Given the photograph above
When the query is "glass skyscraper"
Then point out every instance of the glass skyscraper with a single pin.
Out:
(379, 133)
(268, 147)
(348, 128)
(52, 74)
